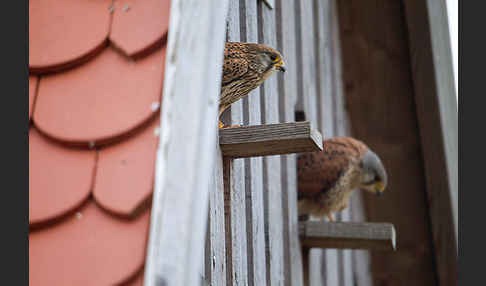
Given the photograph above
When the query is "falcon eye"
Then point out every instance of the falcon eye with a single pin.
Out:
(274, 58)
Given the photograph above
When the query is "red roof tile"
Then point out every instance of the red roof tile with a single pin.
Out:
(88, 248)
(60, 179)
(139, 25)
(93, 137)
(100, 100)
(63, 33)
(125, 172)
(32, 92)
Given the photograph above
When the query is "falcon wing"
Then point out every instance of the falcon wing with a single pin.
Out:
(233, 68)
(320, 171)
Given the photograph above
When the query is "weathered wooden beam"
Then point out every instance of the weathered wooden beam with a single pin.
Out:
(269, 139)
(436, 106)
(347, 235)
(186, 156)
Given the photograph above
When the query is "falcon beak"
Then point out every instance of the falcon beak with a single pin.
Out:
(280, 66)
(380, 188)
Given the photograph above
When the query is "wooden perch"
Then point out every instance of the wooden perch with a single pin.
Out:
(347, 235)
(269, 139)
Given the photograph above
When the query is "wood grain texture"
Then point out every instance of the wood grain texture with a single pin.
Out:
(182, 177)
(215, 262)
(269, 139)
(307, 61)
(380, 101)
(253, 166)
(235, 187)
(348, 235)
(271, 164)
(436, 106)
(287, 84)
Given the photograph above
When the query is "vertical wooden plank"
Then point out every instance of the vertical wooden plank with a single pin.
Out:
(236, 229)
(271, 164)
(185, 155)
(215, 241)
(380, 100)
(436, 106)
(307, 60)
(253, 166)
(288, 96)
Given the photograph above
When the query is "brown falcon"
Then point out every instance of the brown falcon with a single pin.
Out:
(245, 67)
(327, 178)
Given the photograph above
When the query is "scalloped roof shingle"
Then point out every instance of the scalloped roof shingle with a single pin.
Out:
(95, 88)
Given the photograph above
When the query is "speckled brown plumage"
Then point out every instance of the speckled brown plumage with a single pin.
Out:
(245, 67)
(327, 178)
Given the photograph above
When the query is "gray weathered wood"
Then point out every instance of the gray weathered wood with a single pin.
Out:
(235, 187)
(436, 105)
(307, 61)
(269, 139)
(271, 164)
(288, 96)
(253, 166)
(348, 235)
(215, 241)
(182, 177)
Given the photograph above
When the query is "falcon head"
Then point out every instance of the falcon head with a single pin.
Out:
(373, 176)
(266, 59)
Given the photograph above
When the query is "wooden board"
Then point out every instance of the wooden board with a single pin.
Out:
(253, 166)
(348, 235)
(269, 139)
(287, 84)
(436, 106)
(380, 102)
(235, 201)
(271, 164)
(215, 256)
(182, 177)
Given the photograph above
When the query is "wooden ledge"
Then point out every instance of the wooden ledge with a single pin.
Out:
(269, 139)
(347, 235)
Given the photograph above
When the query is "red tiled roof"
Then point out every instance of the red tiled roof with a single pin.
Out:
(95, 87)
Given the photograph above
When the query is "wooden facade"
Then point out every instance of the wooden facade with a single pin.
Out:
(225, 212)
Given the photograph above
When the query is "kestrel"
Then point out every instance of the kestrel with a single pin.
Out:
(327, 178)
(245, 67)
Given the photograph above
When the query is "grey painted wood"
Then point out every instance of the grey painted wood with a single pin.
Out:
(236, 187)
(287, 83)
(253, 166)
(436, 106)
(307, 60)
(269, 139)
(215, 261)
(348, 235)
(271, 164)
(182, 178)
